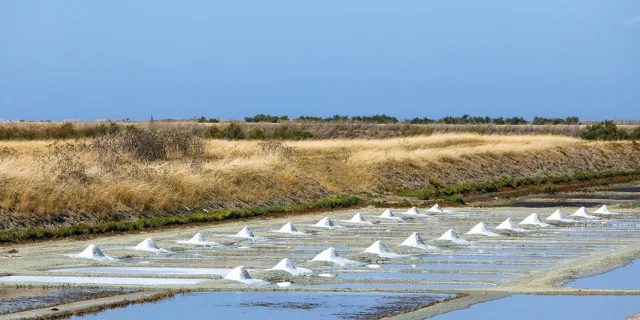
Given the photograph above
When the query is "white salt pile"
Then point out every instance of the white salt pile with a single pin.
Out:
(378, 248)
(326, 223)
(357, 219)
(452, 236)
(482, 229)
(330, 255)
(583, 213)
(415, 241)
(509, 225)
(414, 212)
(559, 216)
(150, 245)
(533, 220)
(240, 274)
(289, 228)
(388, 214)
(604, 210)
(288, 266)
(436, 208)
(92, 252)
(199, 240)
(245, 233)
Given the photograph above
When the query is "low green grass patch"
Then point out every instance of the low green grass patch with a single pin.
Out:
(546, 184)
(37, 233)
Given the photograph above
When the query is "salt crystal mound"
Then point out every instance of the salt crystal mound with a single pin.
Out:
(149, 245)
(604, 210)
(482, 229)
(415, 241)
(452, 236)
(245, 233)
(199, 240)
(583, 213)
(357, 219)
(288, 266)
(559, 216)
(436, 208)
(413, 212)
(92, 252)
(533, 220)
(388, 214)
(330, 255)
(326, 223)
(509, 225)
(240, 274)
(289, 228)
(378, 248)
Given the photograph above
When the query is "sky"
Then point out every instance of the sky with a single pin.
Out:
(77, 59)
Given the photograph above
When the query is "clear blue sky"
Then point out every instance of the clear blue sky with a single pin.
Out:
(78, 59)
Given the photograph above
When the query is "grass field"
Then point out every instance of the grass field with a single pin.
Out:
(52, 183)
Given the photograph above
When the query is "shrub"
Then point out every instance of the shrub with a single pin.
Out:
(550, 189)
(636, 133)
(606, 130)
(457, 198)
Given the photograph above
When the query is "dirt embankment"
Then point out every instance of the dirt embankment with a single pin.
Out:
(42, 185)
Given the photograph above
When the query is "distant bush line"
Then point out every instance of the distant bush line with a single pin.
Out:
(546, 185)
(263, 127)
(37, 233)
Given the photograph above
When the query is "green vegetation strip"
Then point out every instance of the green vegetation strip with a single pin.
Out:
(546, 184)
(37, 233)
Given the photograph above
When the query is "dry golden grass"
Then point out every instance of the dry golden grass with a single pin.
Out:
(242, 173)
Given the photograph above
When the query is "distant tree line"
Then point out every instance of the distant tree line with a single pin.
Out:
(383, 118)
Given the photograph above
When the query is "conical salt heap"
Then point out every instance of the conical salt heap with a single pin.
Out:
(452, 236)
(93, 252)
(436, 208)
(604, 210)
(533, 220)
(377, 248)
(149, 245)
(583, 213)
(413, 212)
(199, 240)
(245, 233)
(388, 214)
(415, 241)
(482, 229)
(325, 223)
(288, 266)
(358, 219)
(509, 225)
(288, 227)
(238, 274)
(559, 216)
(241, 275)
(331, 255)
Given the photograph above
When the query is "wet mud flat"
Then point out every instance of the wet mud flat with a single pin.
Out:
(538, 259)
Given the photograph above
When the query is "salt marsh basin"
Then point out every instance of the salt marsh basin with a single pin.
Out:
(540, 261)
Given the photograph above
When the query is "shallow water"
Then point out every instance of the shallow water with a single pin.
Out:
(152, 270)
(531, 307)
(400, 286)
(16, 299)
(447, 276)
(99, 280)
(621, 278)
(272, 305)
